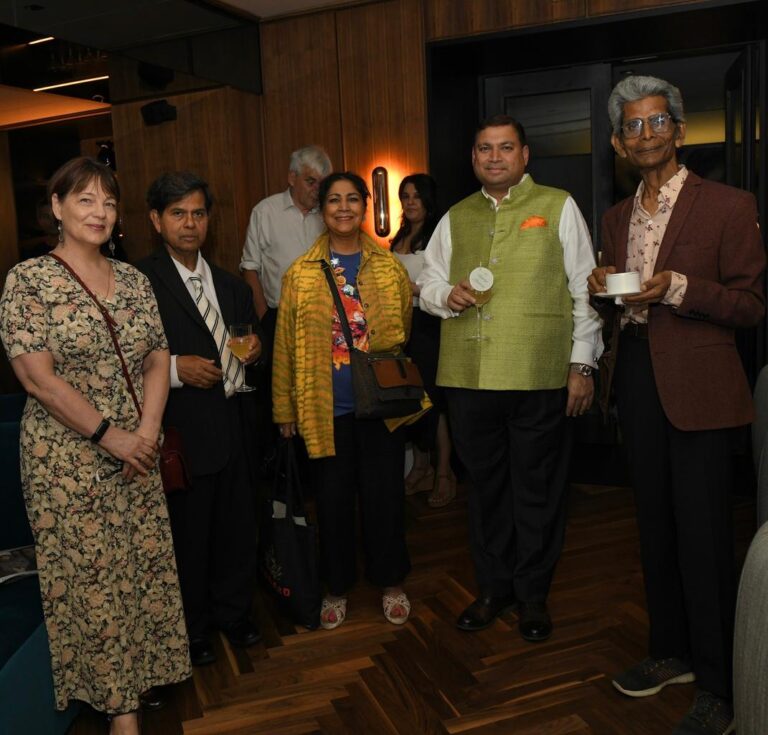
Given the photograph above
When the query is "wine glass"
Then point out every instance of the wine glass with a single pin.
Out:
(239, 346)
(481, 285)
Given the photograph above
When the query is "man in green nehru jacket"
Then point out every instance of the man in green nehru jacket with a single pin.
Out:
(513, 376)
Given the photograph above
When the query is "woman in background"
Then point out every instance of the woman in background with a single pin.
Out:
(430, 434)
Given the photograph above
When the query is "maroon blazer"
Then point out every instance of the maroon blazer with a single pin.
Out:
(713, 239)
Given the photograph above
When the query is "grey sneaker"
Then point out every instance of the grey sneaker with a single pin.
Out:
(710, 715)
(651, 675)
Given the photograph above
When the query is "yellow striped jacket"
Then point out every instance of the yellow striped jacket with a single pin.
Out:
(302, 383)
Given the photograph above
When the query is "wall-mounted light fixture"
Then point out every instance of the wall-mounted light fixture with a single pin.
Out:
(46, 39)
(380, 201)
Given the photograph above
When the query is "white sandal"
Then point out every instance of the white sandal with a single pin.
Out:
(390, 602)
(338, 607)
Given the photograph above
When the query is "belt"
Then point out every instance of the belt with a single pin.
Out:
(633, 329)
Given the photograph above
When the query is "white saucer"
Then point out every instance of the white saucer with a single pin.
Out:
(604, 295)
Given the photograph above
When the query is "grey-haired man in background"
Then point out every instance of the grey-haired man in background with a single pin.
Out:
(282, 228)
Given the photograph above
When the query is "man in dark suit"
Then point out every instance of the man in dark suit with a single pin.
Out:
(214, 522)
(680, 390)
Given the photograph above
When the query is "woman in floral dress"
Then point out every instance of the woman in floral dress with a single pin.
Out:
(89, 463)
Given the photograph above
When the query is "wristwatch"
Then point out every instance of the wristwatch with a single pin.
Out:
(582, 369)
(101, 429)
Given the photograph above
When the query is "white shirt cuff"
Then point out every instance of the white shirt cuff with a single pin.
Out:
(583, 352)
(175, 382)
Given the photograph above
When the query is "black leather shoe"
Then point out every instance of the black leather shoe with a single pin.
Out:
(152, 699)
(242, 634)
(483, 611)
(201, 651)
(534, 622)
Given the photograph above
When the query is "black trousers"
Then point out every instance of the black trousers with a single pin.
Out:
(516, 448)
(214, 536)
(368, 467)
(682, 482)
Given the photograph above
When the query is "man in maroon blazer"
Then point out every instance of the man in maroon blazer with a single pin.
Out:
(680, 389)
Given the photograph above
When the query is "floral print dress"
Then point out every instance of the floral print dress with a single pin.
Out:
(104, 550)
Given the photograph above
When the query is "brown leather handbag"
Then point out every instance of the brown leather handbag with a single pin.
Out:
(386, 385)
(173, 471)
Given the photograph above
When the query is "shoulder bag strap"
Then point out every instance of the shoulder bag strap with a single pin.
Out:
(287, 485)
(110, 322)
(339, 306)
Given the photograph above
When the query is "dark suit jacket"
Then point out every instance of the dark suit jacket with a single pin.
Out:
(204, 417)
(713, 239)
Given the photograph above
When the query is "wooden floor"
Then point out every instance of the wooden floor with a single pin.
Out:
(427, 677)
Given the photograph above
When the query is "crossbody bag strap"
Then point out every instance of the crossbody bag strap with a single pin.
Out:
(110, 322)
(339, 306)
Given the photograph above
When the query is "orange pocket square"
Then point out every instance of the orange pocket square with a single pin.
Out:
(534, 221)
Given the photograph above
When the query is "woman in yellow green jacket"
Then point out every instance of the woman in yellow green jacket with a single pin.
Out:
(312, 395)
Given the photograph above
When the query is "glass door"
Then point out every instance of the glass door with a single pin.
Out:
(565, 118)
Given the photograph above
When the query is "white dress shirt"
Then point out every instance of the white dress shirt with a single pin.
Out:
(206, 278)
(578, 260)
(278, 233)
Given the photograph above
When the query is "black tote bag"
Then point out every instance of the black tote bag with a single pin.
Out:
(288, 545)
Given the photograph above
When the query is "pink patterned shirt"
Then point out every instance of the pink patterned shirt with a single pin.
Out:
(646, 231)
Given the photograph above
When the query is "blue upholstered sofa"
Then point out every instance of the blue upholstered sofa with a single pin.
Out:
(26, 684)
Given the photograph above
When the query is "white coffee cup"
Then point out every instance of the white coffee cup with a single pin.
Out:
(618, 284)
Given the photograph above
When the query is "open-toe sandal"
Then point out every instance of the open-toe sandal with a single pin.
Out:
(391, 602)
(337, 608)
(444, 492)
(420, 480)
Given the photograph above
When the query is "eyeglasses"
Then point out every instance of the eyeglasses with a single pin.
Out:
(662, 122)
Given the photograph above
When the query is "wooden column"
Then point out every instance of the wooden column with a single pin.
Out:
(352, 81)
(301, 92)
(382, 86)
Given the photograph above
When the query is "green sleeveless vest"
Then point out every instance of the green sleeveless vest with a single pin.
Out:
(528, 321)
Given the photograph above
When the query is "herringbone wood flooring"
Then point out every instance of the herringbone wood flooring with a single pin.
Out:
(427, 677)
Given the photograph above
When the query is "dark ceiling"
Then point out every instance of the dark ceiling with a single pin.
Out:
(183, 35)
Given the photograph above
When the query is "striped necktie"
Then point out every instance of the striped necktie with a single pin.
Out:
(231, 367)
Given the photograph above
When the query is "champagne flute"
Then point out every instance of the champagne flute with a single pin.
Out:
(239, 346)
(481, 285)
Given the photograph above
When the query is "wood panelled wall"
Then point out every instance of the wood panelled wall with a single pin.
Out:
(218, 135)
(382, 81)
(457, 18)
(351, 80)
(301, 92)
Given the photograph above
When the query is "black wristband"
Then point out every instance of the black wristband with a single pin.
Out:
(101, 429)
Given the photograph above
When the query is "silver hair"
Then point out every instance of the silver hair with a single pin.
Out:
(633, 88)
(313, 157)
